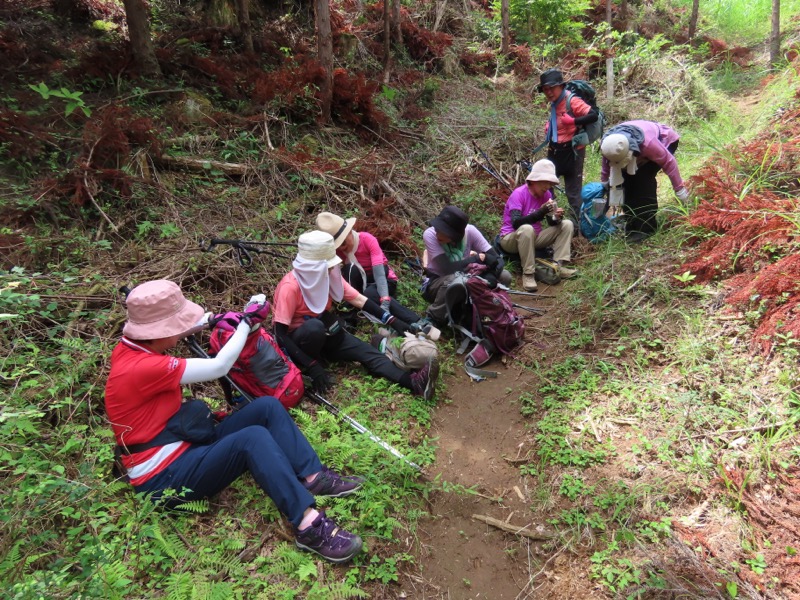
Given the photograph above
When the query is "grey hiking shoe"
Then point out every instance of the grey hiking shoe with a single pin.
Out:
(423, 381)
(330, 541)
(330, 483)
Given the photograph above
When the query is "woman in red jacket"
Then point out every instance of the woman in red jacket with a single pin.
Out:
(144, 404)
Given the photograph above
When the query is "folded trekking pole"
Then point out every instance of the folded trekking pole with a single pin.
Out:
(243, 249)
(490, 168)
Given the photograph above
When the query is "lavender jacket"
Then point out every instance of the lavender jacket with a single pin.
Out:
(652, 146)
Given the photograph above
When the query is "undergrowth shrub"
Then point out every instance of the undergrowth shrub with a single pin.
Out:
(749, 201)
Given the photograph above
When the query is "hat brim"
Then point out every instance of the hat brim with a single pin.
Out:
(441, 226)
(347, 228)
(332, 262)
(182, 323)
(547, 178)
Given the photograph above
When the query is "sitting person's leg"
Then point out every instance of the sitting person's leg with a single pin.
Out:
(310, 337)
(559, 236)
(524, 241)
(435, 294)
(397, 309)
(350, 348)
(245, 444)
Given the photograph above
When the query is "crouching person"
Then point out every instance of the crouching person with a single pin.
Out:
(307, 327)
(162, 457)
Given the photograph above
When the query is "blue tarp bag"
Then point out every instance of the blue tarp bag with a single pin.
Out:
(595, 225)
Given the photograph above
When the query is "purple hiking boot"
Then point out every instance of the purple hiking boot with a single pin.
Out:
(330, 541)
(330, 483)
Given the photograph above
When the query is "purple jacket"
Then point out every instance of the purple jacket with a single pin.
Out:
(657, 137)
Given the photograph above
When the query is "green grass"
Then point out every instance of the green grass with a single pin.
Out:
(740, 22)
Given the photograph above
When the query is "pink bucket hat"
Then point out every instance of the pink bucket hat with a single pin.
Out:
(158, 309)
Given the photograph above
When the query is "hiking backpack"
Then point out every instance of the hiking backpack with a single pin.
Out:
(263, 369)
(595, 225)
(484, 315)
(593, 131)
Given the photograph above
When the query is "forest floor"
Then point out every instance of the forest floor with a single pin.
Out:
(482, 440)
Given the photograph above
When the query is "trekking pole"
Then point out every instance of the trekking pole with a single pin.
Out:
(530, 309)
(532, 294)
(322, 401)
(491, 169)
(243, 248)
(198, 351)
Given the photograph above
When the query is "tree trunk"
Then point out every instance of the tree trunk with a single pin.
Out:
(387, 40)
(775, 35)
(693, 19)
(220, 13)
(397, 31)
(141, 45)
(245, 32)
(609, 60)
(505, 34)
(325, 55)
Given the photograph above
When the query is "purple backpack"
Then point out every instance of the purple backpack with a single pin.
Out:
(484, 315)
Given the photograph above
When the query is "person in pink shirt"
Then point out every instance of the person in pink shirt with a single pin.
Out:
(310, 331)
(633, 154)
(561, 127)
(522, 232)
(365, 266)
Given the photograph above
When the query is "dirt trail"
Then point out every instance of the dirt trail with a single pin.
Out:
(483, 439)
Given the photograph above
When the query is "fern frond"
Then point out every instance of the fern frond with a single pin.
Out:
(194, 506)
(179, 586)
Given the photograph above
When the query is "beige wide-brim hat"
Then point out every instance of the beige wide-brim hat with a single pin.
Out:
(158, 309)
(335, 225)
(317, 246)
(543, 170)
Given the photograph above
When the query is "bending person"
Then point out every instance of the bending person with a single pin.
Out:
(310, 331)
(143, 397)
(522, 231)
(633, 154)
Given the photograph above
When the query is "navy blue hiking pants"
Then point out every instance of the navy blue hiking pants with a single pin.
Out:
(261, 438)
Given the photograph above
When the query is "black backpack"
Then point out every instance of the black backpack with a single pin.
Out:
(593, 131)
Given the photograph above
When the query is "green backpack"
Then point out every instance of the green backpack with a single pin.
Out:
(593, 131)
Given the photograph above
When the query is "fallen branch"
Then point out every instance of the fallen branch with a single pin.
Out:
(201, 165)
(523, 531)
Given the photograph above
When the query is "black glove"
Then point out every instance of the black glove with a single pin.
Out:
(333, 326)
(320, 379)
(539, 214)
(399, 326)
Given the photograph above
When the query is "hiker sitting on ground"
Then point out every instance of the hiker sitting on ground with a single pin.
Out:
(365, 266)
(143, 397)
(633, 154)
(451, 244)
(310, 331)
(561, 127)
(522, 231)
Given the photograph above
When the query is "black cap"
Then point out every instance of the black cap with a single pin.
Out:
(452, 222)
(550, 78)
